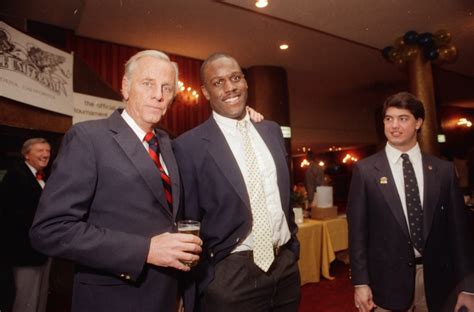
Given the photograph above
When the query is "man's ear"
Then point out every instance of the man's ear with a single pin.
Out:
(419, 123)
(205, 92)
(125, 83)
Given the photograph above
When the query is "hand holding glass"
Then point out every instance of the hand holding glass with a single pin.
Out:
(189, 227)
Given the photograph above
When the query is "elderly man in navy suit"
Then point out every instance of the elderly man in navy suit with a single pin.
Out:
(20, 193)
(236, 182)
(114, 194)
(409, 243)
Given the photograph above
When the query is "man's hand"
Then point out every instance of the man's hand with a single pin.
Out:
(465, 300)
(363, 298)
(173, 250)
(254, 115)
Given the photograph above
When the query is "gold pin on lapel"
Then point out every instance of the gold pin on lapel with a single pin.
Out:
(383, 180)
(430, 168)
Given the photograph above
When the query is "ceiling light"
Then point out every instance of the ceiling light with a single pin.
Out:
(284, 47)
(261, 3)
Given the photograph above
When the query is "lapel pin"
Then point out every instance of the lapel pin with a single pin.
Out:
(430, 168)
(383, 180)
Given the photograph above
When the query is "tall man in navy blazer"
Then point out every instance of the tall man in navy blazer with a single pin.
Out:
(218, 190)
(104, 206)
(388, 272)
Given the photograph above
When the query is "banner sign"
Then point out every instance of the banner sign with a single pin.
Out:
(35, 73)
(88, 107)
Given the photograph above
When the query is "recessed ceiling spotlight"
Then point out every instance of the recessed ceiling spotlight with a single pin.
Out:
(261, 3)
(284, 47)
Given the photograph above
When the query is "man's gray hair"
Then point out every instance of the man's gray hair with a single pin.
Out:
(26, 148)
(132, 63)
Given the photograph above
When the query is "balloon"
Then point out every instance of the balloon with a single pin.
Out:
(442, 55)
(425, 39)
(399, 43)
(393, 55)
(409, 53)
(448, 53)
(399, 62)
(386, 52)
(442, 37)
(431, 53)
(410, 37)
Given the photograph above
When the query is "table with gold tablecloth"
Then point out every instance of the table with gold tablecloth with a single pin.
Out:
(320, 240)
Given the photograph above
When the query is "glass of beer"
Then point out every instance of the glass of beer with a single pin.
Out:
(189, 227)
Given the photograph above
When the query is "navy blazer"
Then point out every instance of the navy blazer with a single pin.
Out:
(381, 251)
(102, 204)
(20, 194)
(215, 191)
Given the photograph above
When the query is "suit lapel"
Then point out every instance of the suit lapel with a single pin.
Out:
(222, 155)
(275, 147)
(133, 148)
(386, 184)
(431, 190)
(171, 166)
(30, 178)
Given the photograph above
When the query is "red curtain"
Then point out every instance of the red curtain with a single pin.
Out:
(108, 60)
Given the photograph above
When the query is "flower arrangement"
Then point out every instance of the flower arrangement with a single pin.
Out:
(298, 196)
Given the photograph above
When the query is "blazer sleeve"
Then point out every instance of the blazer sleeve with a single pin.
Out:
(188, 179)
(357, 217)
(60, 227)
(461, 237)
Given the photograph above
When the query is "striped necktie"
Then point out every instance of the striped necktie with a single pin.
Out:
(154, 152)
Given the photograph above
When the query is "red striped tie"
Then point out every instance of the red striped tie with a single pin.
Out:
(154, 151)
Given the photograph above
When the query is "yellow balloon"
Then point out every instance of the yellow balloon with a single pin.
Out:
(443, 54)
(410, 52)
(442, 37)
(399, 42)
(448, 53)
(393, 55)
(399, 61)
(452, 53)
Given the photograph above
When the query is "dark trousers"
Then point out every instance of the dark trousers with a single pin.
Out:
(239, 285)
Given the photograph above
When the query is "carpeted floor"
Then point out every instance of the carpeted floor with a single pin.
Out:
(329, 296)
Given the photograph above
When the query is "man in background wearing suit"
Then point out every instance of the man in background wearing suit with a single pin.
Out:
(313, 177)
(408, 252)
(236, 182)
(113, 197)
(20, 192)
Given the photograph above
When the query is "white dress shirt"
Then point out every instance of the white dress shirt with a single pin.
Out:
(34, 171)
(396, 166)
(266, 164)
(141, 135)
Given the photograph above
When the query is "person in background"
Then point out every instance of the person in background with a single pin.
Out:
(236, 182)
(314, 176)
(20, 191)
(462, 172)
(409, 244)
(113, 197)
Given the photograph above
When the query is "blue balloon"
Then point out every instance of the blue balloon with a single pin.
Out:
(410, 37)
(386, 52)
(425, 39)
(431, 53)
